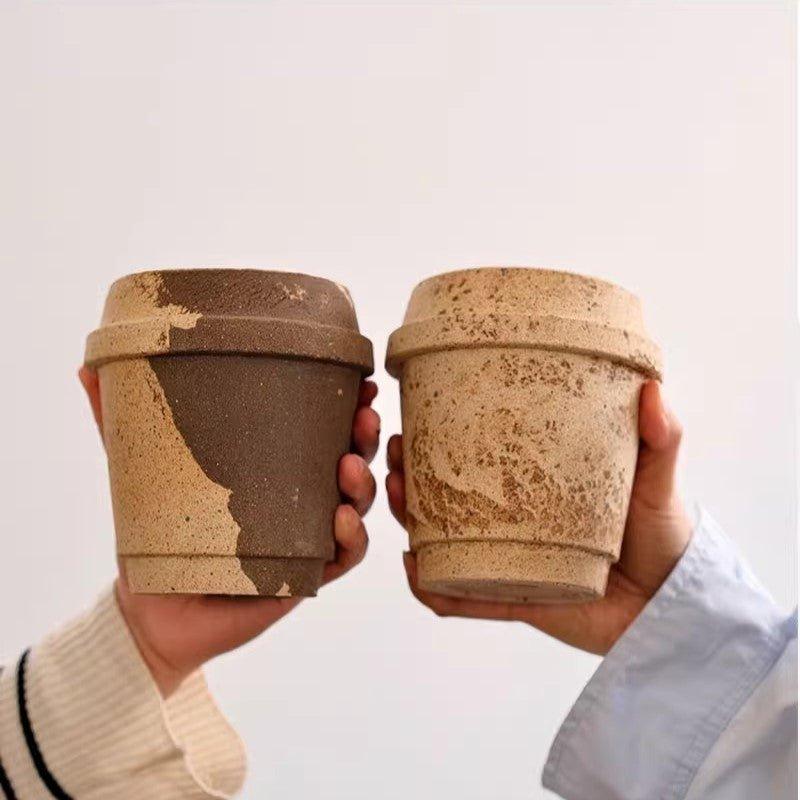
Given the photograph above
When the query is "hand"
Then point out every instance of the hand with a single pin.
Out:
(657, 532)
(178, 633)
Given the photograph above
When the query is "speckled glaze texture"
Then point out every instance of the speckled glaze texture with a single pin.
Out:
(520, 396)
(227, 400)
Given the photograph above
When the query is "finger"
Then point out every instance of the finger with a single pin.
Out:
(351, 543)
(91, 383)
(356, 482)
(658, 426)
(559, 620)
(661, 435)
(366, 432)
(396, 492)
(394, 452)
(367, 392)
(350, 534)
(445, 606)
(236, 620)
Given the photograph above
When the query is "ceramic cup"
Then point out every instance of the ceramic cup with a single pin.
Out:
(520, 391)
(227, 402)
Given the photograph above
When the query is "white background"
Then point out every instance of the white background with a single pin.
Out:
(651, 144)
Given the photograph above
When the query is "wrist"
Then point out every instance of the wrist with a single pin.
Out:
(166, 676)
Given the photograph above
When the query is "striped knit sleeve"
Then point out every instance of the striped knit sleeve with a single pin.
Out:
(81, 719)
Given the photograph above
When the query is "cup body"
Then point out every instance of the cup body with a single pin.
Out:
(224, 418)
(519, 431)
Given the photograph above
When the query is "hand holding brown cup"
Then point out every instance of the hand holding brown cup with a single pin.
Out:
(177, 632)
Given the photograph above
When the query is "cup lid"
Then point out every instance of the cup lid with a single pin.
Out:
(524, 307)
(244, 311)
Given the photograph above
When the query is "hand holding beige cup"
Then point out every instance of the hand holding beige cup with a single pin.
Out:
(657, 532)
(531, 465)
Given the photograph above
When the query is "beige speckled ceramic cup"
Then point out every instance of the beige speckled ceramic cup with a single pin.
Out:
(520, 392)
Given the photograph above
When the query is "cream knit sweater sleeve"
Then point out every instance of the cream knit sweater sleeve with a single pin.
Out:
(81, 718)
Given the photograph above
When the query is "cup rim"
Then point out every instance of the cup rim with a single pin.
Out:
(451, 273)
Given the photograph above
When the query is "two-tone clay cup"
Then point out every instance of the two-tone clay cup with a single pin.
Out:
(520, 391)
(227, 400)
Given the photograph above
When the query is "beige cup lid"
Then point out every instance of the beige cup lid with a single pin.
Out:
(524, 307)
(245, 311)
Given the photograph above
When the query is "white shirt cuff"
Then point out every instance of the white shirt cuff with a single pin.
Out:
(667, 689)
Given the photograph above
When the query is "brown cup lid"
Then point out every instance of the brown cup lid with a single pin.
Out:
(245, 311)
(524, 307)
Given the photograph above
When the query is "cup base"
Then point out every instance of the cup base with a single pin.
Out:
(228, 575)
(512, 572)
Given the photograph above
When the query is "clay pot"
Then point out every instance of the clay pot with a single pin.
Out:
(227, 400)
(520, 392)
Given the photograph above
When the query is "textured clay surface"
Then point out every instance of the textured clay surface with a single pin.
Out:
(223, 465)
(271, 431)
(514, 571)
(519, 307)
(231, 311)
(519, 459)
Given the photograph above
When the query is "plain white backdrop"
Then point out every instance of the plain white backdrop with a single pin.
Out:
(652, 144)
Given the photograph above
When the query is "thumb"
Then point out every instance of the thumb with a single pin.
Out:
(91, 384)
(660, 433)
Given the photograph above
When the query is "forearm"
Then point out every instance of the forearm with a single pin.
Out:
(81, 717)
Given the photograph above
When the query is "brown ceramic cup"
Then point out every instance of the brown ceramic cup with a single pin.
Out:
(520, 392)
(227, 399)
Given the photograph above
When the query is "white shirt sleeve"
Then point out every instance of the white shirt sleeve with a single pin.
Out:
(698, 699)
(756, 755)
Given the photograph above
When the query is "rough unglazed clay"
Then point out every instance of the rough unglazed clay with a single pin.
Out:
(519, 392)
(227, 400)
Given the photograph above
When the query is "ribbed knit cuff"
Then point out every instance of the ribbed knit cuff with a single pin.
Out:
(80, 717)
